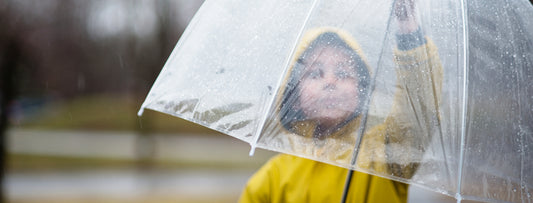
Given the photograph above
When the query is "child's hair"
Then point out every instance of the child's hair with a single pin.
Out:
(288, 112)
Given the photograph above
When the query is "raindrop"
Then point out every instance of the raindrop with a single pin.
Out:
(220, 71)
(81, 82)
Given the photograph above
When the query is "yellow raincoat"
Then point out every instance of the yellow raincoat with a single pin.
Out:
(287, 178)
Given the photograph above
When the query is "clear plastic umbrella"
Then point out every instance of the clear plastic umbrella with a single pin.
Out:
(455, 117)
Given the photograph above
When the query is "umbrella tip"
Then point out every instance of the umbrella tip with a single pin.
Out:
(141, 111)
(458, 197)
(252, 151)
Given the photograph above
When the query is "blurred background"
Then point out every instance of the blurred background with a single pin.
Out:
(73, 76)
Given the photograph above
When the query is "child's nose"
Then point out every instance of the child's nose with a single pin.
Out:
(330, 81)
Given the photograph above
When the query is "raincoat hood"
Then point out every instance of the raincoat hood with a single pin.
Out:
(293, 120)
(294, 134)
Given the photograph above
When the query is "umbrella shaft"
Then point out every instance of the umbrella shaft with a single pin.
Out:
(347, 186)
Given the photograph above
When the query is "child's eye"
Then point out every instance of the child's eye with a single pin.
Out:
(314, 74)
(341, 74)
(300, 61)
(344, 74)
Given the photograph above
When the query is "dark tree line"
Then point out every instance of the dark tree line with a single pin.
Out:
(60, 58)
(48, 51)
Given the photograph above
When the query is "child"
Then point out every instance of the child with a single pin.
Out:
(323, 101)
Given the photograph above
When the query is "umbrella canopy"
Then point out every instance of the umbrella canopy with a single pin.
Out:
(455, 116)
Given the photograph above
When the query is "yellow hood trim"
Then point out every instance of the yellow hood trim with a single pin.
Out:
(312, 34)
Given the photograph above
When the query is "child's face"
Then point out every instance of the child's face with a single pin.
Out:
(328, 88)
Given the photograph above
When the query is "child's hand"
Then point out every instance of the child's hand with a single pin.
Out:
(404, 10)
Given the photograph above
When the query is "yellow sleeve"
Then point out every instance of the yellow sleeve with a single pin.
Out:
(260, 186)
(415, 111)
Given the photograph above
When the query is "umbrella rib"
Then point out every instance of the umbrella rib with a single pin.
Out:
(186, 34)
(253, 145)
(522, 134)
(365, 114)
(464, 12)
(371, 91)
(415, 113)
(438, 120)
(439, 127)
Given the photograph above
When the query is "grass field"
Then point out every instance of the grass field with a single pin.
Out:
(104, 112)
